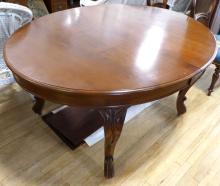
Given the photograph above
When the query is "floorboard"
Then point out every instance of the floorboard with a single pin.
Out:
(156, 147)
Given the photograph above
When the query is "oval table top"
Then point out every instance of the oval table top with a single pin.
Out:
(109, 50)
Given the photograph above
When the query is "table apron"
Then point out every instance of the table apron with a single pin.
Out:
(104, 100)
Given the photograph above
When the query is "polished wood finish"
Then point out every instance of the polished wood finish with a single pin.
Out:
(215, 77)
(120, 68)
(102, 64)
(181, 108)
(56, 5)
(155, 148)
(113, 120)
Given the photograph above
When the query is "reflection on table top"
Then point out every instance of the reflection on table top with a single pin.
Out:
(110, 48)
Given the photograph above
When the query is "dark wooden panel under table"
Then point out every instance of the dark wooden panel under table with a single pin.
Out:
(56, 5)
(21, 2)
(99, 67)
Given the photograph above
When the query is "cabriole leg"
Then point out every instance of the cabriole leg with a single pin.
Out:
(113, 120)
(181, 107)
(38, 105)
(215, 77)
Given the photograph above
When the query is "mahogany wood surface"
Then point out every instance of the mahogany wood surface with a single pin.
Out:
(94, 51)
(109, 57)
(56, 5)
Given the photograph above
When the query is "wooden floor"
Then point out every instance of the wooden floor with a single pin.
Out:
(156, 147)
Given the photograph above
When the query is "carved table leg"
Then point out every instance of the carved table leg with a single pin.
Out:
(38, 105)
(215, 77)
(113, 120)
(181, 108)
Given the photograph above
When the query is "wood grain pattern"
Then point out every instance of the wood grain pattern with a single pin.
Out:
(115, 63)
(181, 98)
(83, 60)
(113, 121)
(151, 144)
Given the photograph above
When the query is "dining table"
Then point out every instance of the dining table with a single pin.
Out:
(98, 61)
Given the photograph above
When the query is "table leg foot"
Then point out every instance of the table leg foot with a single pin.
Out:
(109, 167)
(38, 105)
(113, 120)
(215, 77)
(181, 107)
